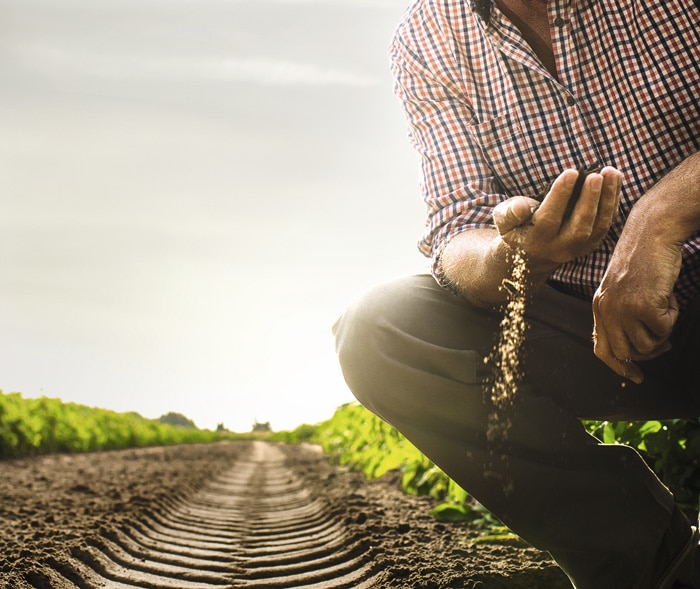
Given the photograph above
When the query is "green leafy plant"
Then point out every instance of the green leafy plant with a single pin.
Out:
(361, 440)
(41, 426)
(357, 438)
(670, 447)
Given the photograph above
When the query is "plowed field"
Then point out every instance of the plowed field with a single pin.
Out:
(235, 515)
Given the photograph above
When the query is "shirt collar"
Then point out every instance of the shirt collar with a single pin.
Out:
(483, 8)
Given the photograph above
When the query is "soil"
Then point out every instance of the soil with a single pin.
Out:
(236, 514)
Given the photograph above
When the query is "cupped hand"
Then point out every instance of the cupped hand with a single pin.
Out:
(543, 233)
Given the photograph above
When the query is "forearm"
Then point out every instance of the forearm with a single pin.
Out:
(477, 261)
(669, 213)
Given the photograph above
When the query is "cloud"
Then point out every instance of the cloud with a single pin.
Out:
(60, 61)
(283, 72)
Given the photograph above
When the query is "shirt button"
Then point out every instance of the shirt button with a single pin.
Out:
(570, 100)
(559, 22)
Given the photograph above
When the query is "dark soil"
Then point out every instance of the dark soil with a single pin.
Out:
(52, 507)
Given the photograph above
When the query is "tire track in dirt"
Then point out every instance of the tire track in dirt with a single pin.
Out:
(254, 525)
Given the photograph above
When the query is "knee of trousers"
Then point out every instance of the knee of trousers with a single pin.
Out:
(363, 341)
(396, 346)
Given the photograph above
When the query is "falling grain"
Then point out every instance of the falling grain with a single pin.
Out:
(505, 363)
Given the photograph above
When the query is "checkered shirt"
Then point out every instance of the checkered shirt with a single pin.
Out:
(490, 122)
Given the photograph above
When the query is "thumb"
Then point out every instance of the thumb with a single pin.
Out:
(513, 213)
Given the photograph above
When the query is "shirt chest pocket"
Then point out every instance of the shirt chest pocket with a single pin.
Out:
(509, 155)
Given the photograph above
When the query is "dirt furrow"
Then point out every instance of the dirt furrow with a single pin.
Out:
(236, 514)
(252, 525)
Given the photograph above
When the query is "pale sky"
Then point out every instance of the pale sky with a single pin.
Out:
(190, 192)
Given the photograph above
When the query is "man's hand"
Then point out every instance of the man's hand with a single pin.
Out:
(545, 234)
(634, 308)
(475, 262)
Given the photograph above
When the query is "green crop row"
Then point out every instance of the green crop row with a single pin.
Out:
(357, 438)
(41, 426)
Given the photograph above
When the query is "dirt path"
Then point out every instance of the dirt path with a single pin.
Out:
(234, 515)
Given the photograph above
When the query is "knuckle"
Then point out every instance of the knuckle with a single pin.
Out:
(580, 235)
(599, 233)
(597, 296)
(602, 303)
(645, 348)
(599, 350)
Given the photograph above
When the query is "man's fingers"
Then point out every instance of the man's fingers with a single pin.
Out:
(554, 204)
(598, 202)
(660, 324)
(645, 332)
(625, 367)
(609, 197)
(585, 212)
(513, 213)
(646, 346)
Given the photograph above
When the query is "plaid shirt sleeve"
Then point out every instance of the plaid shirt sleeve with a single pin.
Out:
(456, 184)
